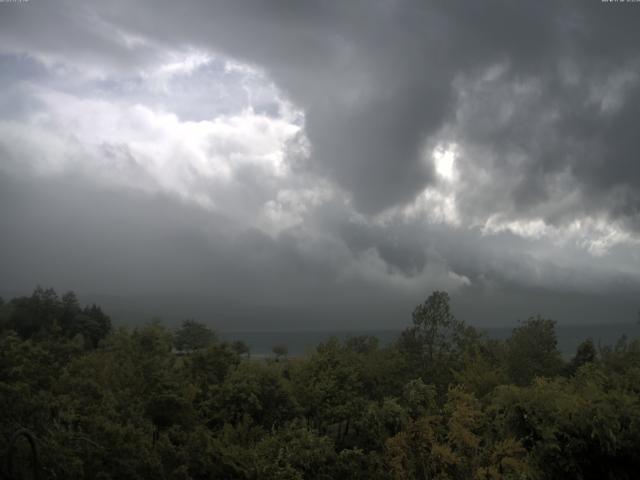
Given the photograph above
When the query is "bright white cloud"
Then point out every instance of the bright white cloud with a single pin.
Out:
(597, 236)
(444, 158)
(146, 147)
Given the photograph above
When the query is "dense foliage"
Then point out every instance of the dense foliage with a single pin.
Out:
(443, 402)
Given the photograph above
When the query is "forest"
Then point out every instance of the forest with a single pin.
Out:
(443, 401)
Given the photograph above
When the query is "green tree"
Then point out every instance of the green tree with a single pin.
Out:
(329, 385)
(37, 314)
(208, 368)
(582, 427)
(419, 452)
(585, 353)
(483, 367)
(377, 422)
(294, 453)
(280, 352)
(241, 348)
(193, 335)
(257, 391)
(434, 344)
(533, 351)
(362, 343)
(93, 324)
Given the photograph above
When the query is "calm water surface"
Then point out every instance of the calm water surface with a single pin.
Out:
(301, 342)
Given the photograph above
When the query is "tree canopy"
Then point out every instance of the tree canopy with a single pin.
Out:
(443, 401)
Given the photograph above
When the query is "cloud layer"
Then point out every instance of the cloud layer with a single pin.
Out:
(323, 164)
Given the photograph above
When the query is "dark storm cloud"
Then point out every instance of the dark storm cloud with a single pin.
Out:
(540, 99)
(378, 80)
(561, 137)
(62, 29)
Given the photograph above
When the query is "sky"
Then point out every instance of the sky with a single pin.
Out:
(320, 164)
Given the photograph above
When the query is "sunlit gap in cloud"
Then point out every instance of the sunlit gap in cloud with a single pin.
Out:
(444, 157)
(593, 235)
(437, 202)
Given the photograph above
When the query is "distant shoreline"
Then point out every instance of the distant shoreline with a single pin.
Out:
(301, 342)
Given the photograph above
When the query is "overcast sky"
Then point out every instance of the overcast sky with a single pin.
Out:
(323, 164)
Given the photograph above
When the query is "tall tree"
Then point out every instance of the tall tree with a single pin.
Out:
(533, 351)
(193, 335)
(433, 345)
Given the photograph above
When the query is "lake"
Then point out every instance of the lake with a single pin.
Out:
(301, 342)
